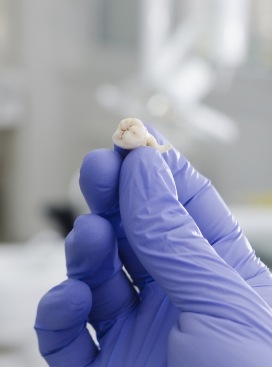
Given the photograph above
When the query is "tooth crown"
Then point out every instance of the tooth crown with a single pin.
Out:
(131, 133)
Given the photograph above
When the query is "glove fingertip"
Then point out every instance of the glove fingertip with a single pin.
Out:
(64, 306)
(99, 178)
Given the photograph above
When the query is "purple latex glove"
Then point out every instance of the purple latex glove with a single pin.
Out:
(204, 298)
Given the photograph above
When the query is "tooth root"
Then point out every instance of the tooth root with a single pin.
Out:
(152, 142)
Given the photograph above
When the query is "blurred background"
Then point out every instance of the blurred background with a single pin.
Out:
(198, 70)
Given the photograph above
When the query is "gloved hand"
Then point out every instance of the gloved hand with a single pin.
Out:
(197, 294)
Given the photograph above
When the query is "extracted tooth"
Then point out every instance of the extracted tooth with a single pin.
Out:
(131, 133)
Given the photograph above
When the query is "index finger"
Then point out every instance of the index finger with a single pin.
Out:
(217, 307)
(169, 244)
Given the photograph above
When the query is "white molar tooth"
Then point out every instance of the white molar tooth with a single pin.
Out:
(131, 133)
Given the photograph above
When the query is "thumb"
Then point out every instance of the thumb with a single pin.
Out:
(171, 247)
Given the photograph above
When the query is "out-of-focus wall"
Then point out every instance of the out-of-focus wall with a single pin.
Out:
(62, 52)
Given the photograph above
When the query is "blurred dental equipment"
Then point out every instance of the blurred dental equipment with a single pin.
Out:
(179, 67)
